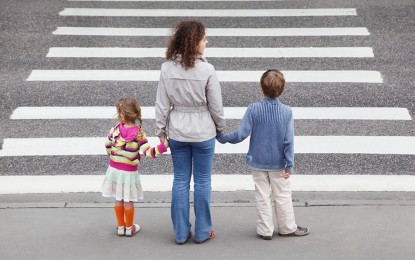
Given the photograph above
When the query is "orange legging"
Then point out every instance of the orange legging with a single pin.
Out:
(119, 213)
(126, 209)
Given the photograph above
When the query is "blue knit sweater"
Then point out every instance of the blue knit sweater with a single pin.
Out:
(271, 127)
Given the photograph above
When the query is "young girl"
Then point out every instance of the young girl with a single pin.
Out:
(124, 143)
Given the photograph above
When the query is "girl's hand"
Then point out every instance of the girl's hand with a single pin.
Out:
(166, 142)
(162, 139)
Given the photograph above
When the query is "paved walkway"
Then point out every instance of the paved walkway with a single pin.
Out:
(375, 227)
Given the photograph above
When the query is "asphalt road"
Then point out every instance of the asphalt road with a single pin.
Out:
(26, 36)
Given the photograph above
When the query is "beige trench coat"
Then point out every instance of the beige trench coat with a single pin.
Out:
(189, 102)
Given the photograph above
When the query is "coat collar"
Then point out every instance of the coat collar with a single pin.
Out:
(198, 57)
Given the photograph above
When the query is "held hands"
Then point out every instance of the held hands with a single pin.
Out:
(220, 138)
(164, 140)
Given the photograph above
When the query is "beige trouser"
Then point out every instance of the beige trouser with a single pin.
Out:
(270, 186)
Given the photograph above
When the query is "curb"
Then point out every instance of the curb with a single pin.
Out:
(312, 203)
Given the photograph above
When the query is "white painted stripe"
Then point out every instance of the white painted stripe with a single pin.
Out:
(330, 113)
(176, 0)
(73, 113)
(355, 144)
(308, 52)
(306, 76)
(253, 32)
(207, 12)
(352, 113)
(303, 144)
(357, 76)
(92, 183)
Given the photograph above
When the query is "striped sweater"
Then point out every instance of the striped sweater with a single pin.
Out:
(125, 144)
(271, 127)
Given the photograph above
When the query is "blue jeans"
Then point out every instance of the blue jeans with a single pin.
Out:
(184, 154)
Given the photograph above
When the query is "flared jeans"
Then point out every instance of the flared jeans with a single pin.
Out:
(188, 158)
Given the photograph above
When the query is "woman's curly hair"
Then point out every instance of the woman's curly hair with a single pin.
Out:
(185, 42)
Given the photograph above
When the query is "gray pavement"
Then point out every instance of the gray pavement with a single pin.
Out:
(361, 225)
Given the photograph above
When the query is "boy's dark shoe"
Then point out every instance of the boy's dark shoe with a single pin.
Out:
(301, 231)
(265, 237)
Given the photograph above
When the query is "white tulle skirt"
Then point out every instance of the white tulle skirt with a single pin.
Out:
(122, 185)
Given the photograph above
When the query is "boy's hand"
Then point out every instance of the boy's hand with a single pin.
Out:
(219, 137)
(285, 174)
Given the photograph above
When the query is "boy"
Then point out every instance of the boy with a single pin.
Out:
(270, 157)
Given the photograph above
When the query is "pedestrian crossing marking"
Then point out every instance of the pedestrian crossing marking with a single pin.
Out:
(349, 76)
(220, 182)
(212, 32)
(299, 52)
(66, 146)
(175, 0)
(208, 12)
(304, 144)
(316, 113)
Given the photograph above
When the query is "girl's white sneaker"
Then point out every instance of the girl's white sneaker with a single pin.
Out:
(131, 231)
(121, 231)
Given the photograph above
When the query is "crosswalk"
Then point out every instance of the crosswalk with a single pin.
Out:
(349, 76)
(157, 183)
(333, 52)
(315, 145)
(328, 113)
(206, 12)
(303, 144)
(222, 32)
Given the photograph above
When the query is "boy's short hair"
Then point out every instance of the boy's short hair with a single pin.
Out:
(272, 83)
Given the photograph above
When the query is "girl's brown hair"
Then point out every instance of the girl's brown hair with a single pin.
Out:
(272, 83)
(185, 42)
(128, 110)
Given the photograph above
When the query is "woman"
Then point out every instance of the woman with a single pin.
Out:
(189, 112)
